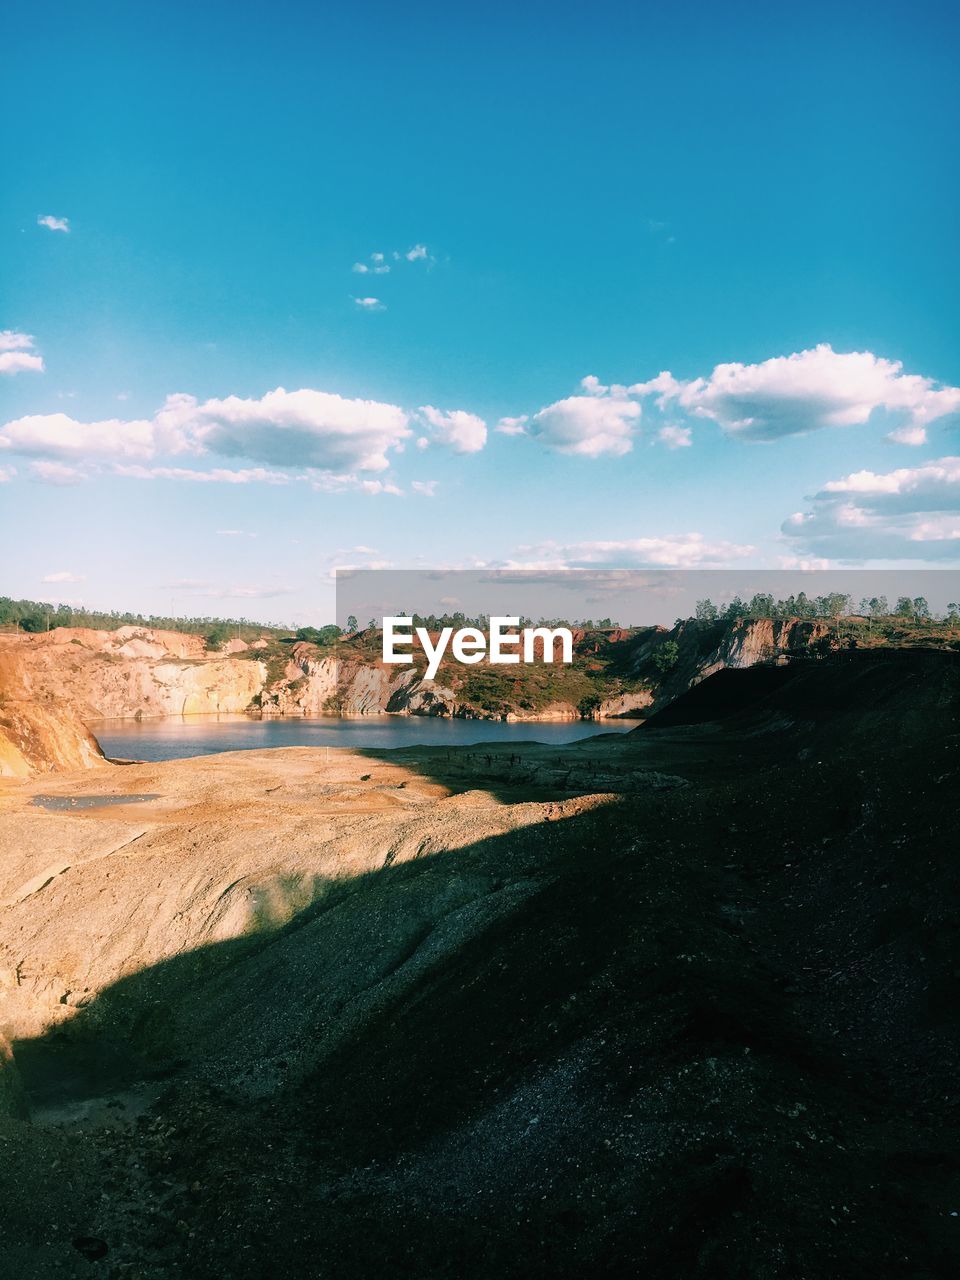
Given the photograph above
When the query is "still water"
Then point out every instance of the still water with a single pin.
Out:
(176, 737)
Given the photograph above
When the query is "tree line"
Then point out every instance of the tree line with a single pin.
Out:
(833, 606)
(36, 615)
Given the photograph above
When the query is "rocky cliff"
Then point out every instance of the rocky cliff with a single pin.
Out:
(53, 683)
(36, 737)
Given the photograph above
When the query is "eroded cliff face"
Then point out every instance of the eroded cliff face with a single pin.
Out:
(704, 648)
(322, 686)
(50, 684)
(129, 672)
(38, 737)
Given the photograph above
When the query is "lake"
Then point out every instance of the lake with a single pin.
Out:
(177, 737)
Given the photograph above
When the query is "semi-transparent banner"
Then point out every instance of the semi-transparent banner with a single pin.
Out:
(628, 597)
(440, 641)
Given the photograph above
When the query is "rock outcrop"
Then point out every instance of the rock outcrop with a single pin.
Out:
(54, 682)
(37, 737)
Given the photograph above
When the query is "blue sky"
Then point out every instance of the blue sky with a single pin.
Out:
(759, 199)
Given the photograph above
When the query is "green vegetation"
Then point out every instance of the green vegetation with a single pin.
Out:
(836, 604)
(218, 636)
(665, 656)
(35, 615)
(319, 635)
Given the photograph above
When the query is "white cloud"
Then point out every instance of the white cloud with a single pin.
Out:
(282, 429)
(56, 473)
(417, 254)
(7, 474)
(806, 391)
(426, 487)
(20, 362)
(294, 429)
(593, 386)
(63, 576)
(379, 267)
(17, 354)
(908, 435)
(55, 435)
(11, 340)
(235, 533)
(327, 482)
(512, 426)
(461, 431)
(683, 551)
(676, 437)
(589, 425)
(369, 304)
(52, 223)
(909, 513)
(218, 475)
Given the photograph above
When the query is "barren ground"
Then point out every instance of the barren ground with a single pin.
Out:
(683, 1003)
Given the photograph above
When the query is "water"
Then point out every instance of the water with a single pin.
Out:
(176, 737)
(69, 804)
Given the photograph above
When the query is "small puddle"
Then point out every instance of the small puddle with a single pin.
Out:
(67, 804)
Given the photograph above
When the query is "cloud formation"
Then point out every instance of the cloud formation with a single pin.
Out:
(909, 513)
(283, 429)
(807, 391)
(513, 426)
(590, 425)
(63, 576)
(17, 354)
(783, 396)
(218, 475)
(676, 437)
(57, 436)
(672, 551)
(460, 431)
(56, 473)
(293, 429)
(53, 224)
(376, 266)
(369, 304)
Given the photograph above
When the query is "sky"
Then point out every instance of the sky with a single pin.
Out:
(291, 287)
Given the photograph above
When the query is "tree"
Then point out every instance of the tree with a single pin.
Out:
(875, 607)
(352, 624)
(904, 607)
(762, 606)
(320, 635)
(589, 706)
(706, 611)
(665, 656)
(218, 636)
(34, 622)
(833, 605)
(921, 610)
(735, 609)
